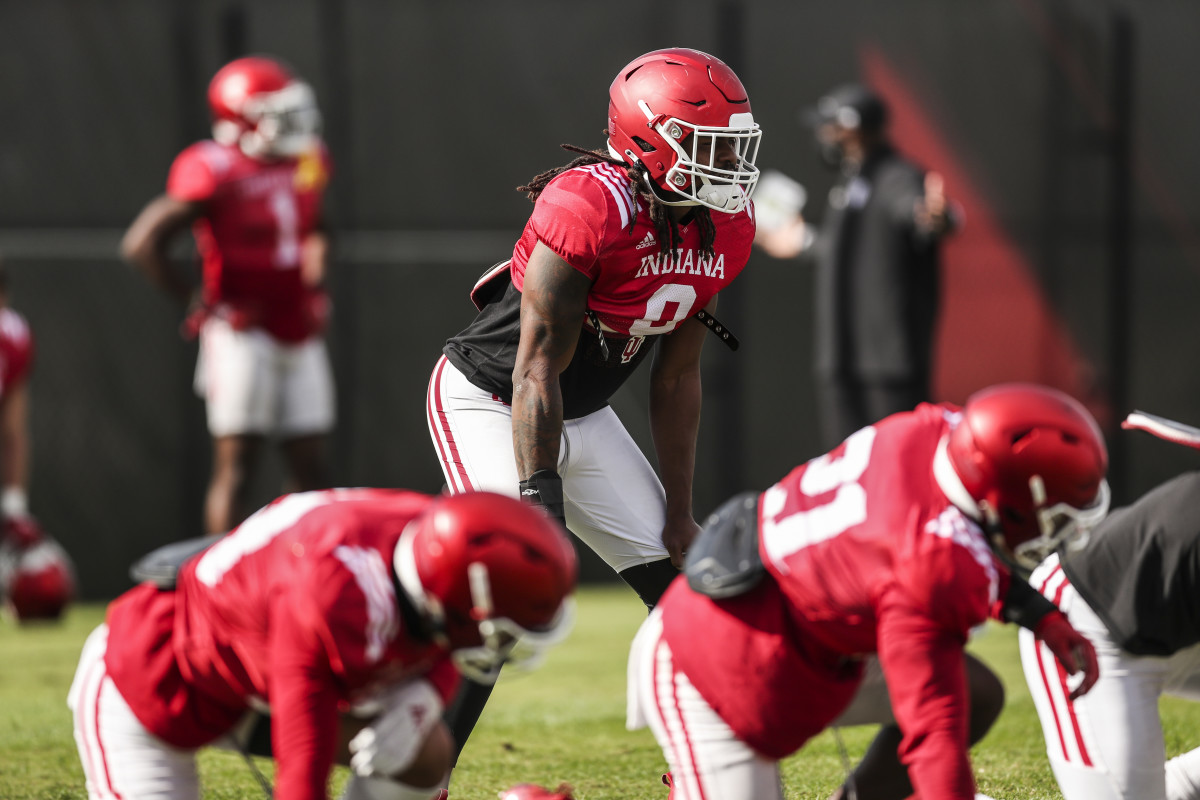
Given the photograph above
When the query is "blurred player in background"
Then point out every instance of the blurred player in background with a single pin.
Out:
(876, 257)
(888, 545)
(1135, 592)
(625, 252)
(346, 615)
(37, 579)
(253, 196)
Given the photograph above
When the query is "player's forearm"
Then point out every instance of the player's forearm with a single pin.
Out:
(674, 425)
(314, 259)
(537, 419)
(14, 438)
(14, 462)
(153, 262)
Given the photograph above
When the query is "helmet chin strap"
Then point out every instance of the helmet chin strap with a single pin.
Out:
(723, 196)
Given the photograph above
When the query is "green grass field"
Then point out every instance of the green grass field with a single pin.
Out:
(564, 722)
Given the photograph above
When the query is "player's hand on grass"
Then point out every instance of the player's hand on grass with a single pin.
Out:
(1071, 648)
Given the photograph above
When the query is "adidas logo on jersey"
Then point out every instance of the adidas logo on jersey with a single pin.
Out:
(649, 241)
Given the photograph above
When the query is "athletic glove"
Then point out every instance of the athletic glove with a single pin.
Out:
(387, 746)
(544, 488)
(1071, 648)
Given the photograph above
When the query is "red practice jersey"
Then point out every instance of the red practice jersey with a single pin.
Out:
(16, 350)
(588, 216)
(864, 554)
(295, 610)
(256, 216)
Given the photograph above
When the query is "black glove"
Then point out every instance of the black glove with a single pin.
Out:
(1025, 605)
(544, 488)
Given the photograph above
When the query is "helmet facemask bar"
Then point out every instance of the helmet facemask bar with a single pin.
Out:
(505, 641)
(286, 122)
(700, 181)
(1060, 524)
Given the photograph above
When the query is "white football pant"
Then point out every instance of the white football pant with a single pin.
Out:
(706, 759)
(254, 384)
(1108, 744)
(613, 500)
(121, 759)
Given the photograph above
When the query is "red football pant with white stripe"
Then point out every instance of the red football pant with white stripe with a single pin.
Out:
(1108, 744)
(707, 762)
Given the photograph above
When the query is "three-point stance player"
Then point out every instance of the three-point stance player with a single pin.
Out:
(346, 615)
(884, 545)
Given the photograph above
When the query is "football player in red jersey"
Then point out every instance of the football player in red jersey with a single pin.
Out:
(253, 196)
(37, 579)
(346, 615)
(895, 543)
(625, 252)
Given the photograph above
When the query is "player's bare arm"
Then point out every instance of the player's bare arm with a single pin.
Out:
(14, 436)
(314, 257)
(553, 303)
(675, 398)
(145, 243)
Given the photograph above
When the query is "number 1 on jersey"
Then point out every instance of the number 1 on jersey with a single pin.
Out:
(287, 223)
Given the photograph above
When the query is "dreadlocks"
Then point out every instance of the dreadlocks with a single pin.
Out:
(669, 237)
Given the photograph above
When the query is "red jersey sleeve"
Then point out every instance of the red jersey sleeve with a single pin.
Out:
(943, 589)
(571, 217)
(304, 701)
(923, 665)
(195, 173)
(17, 342)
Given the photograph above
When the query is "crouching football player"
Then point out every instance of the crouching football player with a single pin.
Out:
(347, 616)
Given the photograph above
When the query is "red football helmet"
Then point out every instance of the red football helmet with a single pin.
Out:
(258, 104)
(38, 581)
(493, 575)
(667, 110)
(531, 791)
(1033, 462)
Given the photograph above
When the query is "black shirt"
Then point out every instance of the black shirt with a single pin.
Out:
(486, 352)
(1141, 570)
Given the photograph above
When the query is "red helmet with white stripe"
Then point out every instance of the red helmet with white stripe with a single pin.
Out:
(1033, 462)
(38, 580)
(668, 111)
(258, 104)
(493, 575)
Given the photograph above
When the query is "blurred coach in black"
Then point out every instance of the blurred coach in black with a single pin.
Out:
(876, 256)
